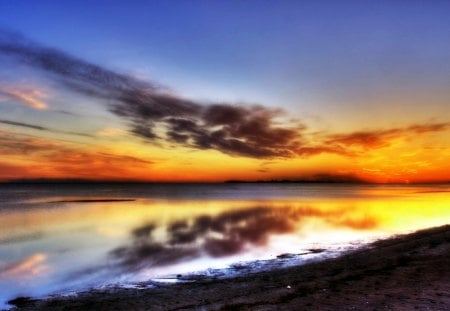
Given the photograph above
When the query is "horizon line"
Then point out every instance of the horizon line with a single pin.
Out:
(135, 181)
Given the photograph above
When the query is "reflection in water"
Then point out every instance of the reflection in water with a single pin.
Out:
(50, 236)
(225, 234)
(24, 269)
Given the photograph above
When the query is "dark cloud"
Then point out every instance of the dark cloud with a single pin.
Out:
(243, 130)
(246, 130)
(239, 130)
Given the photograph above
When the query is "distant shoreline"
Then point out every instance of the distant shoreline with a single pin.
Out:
(404, 272)
(43, 181)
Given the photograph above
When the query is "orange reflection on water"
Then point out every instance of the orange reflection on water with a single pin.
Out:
(75, 242)
(382, 213)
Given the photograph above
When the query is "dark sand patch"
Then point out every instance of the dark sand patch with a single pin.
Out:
(410, 272)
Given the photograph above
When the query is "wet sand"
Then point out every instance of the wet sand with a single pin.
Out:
(410, 272)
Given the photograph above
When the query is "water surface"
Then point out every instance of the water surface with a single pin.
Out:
(62, 238)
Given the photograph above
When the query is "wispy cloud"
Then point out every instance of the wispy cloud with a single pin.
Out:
(243, 130)
(42, 128)
(21, 124)
(30, 96)
(64, 160)
(382, 138)
(111, 132)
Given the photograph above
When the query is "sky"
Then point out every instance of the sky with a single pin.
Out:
(209, 91)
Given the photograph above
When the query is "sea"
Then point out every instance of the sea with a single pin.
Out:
(62, 239)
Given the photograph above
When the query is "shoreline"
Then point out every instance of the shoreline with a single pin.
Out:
(401, 273)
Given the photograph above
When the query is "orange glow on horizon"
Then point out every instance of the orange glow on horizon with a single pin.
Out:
(400, 160)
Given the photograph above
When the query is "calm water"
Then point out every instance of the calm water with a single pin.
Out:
(60, 239)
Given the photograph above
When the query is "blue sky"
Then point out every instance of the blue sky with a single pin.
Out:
(280, 54)
(332, 66)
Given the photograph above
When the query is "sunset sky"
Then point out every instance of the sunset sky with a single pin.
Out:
(213, 91)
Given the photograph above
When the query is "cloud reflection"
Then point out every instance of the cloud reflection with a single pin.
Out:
(226, 234)
(26, 268)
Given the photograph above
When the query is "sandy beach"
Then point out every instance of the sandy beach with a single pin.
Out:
(409, 272)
